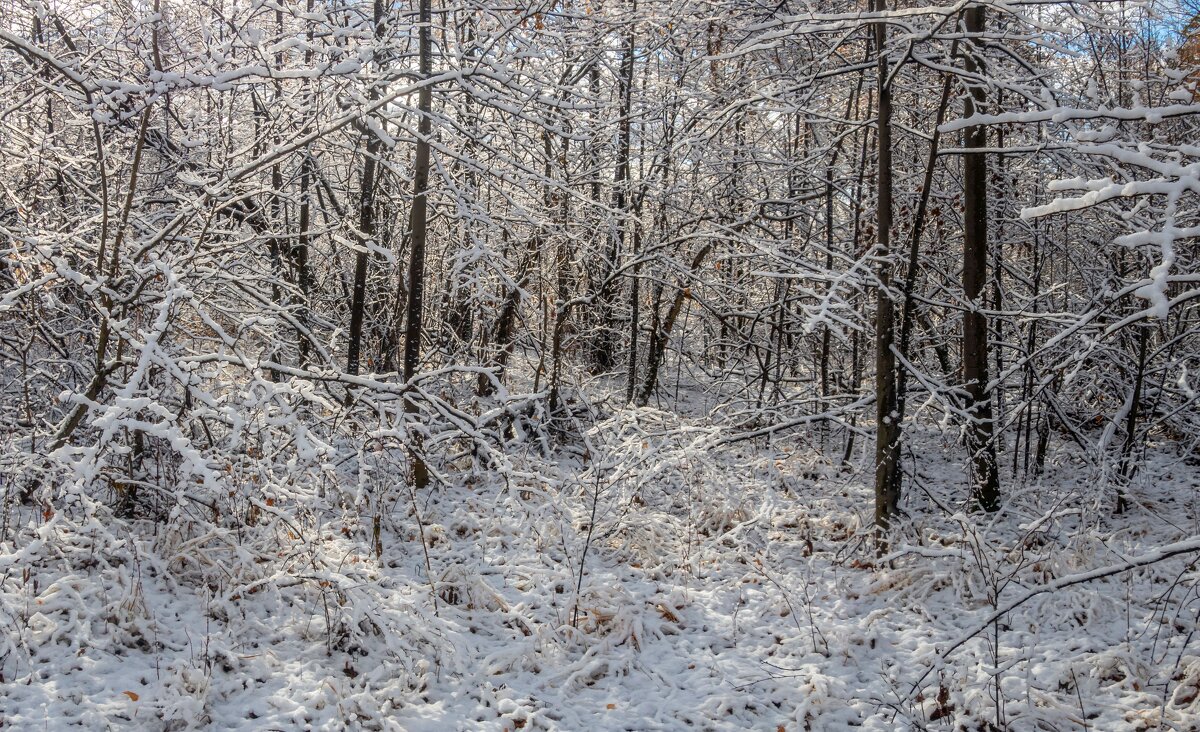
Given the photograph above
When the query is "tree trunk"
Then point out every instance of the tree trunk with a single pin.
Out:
(366, 224)
(635, 313)
(604, 351)
(985, 481)
(417, 225)
(887, 435)
(1128, 464)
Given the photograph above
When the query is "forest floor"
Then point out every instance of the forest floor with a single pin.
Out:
(723, 589)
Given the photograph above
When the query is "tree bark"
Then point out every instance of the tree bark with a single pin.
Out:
(417, 224)
(366, 224)
(604, 350)
(985, 481)
(887, 434)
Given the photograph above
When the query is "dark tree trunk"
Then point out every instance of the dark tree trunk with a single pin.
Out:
(366, 226)
(417, 225)
(635, 313)
(985, 481)
(300, 248)
(299, 256)
(1128, 464)
(887, 435)
(604, 350)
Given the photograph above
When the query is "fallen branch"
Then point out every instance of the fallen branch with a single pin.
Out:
(1158, 555)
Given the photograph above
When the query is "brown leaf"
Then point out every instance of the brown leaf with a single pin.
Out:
(941, 713)
(132, 696)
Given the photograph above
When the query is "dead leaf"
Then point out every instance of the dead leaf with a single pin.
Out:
(941, 713)
(131, 695)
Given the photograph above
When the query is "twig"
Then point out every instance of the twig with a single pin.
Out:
(1161, 554)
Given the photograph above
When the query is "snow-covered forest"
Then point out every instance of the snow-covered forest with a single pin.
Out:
(599, 365)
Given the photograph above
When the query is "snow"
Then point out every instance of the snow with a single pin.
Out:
(722, 588)
(266, 564)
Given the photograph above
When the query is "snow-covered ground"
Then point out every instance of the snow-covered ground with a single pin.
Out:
(723, 589)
